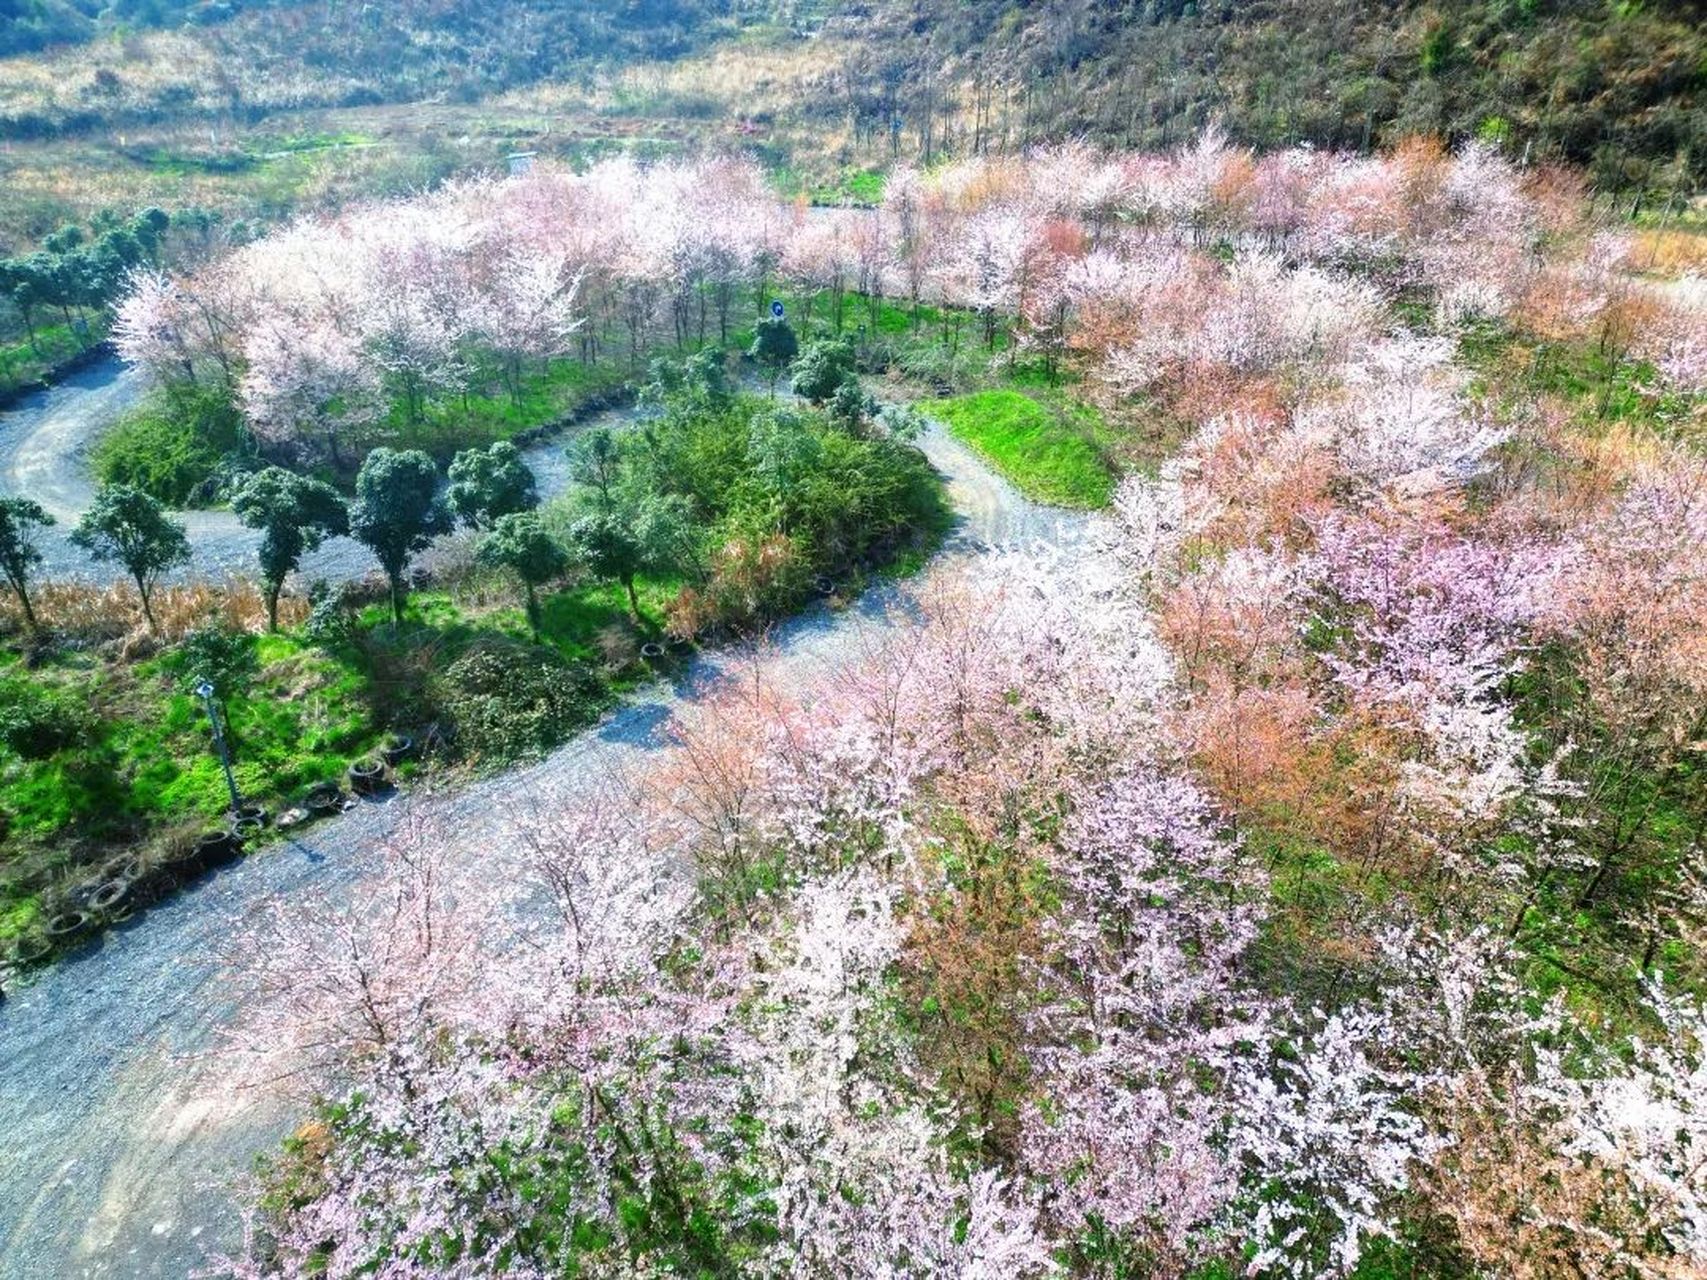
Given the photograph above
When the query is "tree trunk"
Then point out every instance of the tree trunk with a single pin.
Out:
(29, 613)
(273, 589)
(533, 611)
(633, 598)
(396, 599)
(147, 606)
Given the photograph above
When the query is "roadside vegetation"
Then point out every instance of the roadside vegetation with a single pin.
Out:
(1295, 879)
(1048, 454)
(721, 512)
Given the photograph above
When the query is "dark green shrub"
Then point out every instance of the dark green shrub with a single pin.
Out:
(173, 447)
(328, 622)
(36, 721)
(822, 369)
(225, 657)
(508, 700)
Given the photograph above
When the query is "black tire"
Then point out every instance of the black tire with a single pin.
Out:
(216, 848)
(652, 651)
(111, 897)
(367, 777)
(80, 894)
(68, 925)
(398, 748)
(323, 798)
(30, 951)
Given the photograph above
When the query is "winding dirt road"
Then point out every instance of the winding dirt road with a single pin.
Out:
(121, 1145)
(45, 444)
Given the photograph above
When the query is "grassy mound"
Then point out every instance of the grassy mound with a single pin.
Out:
(170, 446)
(1048, 457)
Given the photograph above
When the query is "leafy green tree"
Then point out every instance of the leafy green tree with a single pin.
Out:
(701, 381)
(23, 279)
(782, 451)
(850, 407)
(520, 542)
(19, 520)
(221, 656)
(398, 512)
(822, 369)
(127, 526)
(774, 347)
(902, 421)
(596, 462)
(295, 515)
(642, 533)
(486, 484)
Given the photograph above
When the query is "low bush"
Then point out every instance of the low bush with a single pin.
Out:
(37, 720)
(173, 446)
(507, 701)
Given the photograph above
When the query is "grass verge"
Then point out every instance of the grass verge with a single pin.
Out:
(1046, 453)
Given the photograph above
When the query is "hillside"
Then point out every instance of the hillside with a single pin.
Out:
(1617, 88)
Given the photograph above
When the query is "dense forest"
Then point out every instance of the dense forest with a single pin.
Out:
(264, 57)
(1617, 88)
(28, 25)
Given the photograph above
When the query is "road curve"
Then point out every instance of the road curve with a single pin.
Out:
(121, 1146)
(45, 441)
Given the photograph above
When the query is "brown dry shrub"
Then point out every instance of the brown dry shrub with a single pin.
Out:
(1671, 253)
(1527, 1207)
(616, 645)
(89, 614)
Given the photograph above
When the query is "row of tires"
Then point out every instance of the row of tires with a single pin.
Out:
(126, 885)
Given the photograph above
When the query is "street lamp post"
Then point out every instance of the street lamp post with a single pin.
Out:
(205, 692)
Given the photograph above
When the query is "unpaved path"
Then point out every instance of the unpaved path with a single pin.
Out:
(45, 442)
(120, 1147)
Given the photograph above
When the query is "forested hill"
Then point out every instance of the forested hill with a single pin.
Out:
(27, 25)
(1617, 87)
(525, 37)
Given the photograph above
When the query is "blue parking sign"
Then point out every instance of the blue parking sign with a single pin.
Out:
(776, 310)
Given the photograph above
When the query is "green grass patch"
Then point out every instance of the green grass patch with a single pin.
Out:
(22, 361)
(171, 445)
(1601, 386)
(1044, 452)
(98, 756)
(846, 186)
(542, 396)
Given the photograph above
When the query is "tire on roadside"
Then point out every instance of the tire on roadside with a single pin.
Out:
(114, 900)
(215, 847)
(30, 950)
(367, 777)
(323, 799)
(68, 926)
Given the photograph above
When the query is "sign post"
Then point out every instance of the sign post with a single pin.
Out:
(205, 692)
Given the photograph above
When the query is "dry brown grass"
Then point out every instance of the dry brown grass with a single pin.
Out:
(1671, 252)
(109, 75)
(112, 614)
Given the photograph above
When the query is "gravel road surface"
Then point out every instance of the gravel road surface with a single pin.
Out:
(121, 1143)
(45, 442)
